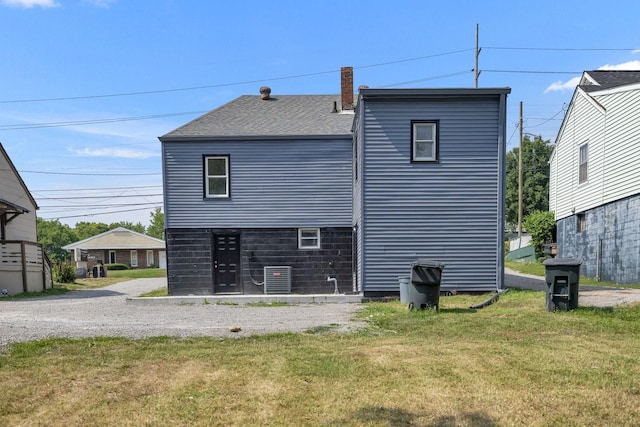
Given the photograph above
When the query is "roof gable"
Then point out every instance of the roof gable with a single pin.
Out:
(250, 117)
(606, 79)
(118, 238)
(18, 178)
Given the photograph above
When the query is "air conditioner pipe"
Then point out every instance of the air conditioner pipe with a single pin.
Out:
(335, 284)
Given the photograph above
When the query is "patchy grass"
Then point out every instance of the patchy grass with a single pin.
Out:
(115, 276)
(511, 363)
(537, 269)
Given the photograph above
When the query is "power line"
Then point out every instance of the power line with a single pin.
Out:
(98, 197)
(531, 72)
(91, 174)
(212, 86)
(98, 214)
(95, 121)
(559, 48)
(97, 189)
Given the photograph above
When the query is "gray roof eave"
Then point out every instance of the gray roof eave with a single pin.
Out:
(433, 92)
(252, 137)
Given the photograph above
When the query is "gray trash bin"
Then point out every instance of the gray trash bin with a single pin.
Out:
(424, 284)
(563, 278)
(403, 282)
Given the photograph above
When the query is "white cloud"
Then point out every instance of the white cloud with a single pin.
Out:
(106, 4)
(560, 86)
(28, 4)
(115, 153)
(635, 51)
(631, 65)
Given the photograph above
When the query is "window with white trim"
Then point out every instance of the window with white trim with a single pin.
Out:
(112, 257)
(424, 141)
(308, 238)
(134, 258)
(583, 163)
(216, 176)
(150, 258)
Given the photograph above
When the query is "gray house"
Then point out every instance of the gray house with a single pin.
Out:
(263, 181)
(594, 187)
(429, 183)
(281, 193)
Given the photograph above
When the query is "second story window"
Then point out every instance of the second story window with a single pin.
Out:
(216, 176)
(583, 164)
(424, 141)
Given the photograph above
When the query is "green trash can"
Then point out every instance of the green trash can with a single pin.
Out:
(562, 276)
(424, 284)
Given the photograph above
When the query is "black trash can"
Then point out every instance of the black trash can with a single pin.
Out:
(424, 284)
(563, 278)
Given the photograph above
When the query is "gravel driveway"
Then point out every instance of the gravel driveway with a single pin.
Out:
(104, 312)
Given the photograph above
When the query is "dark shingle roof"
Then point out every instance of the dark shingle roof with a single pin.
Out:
(280, 116)
(607, 79)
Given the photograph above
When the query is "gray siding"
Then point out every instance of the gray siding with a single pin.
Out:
(285, 183)
(610, 244)
(450, 211)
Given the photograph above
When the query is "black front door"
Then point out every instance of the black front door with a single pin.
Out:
(226, 263)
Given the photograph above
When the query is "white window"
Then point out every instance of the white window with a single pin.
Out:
(112, 257)
(149, 258)
(309, 238)
(134, 258)
(216, 176)
(583, 163)
(424, 141)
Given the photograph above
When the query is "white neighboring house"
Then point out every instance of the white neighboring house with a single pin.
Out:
(118, 246)
(594, 187)
(24, 266)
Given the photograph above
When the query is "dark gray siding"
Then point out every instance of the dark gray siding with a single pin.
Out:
(610, 244)
(286, 183)
(450, 211)
(190, 255)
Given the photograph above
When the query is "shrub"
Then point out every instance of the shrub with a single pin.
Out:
(541, 226)
(117, 267)
(64, 272)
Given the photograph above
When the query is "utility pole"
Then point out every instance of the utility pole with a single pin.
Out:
(520, 179)
(475, 68)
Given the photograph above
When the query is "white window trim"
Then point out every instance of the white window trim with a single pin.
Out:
(115, 259)
(301, 245)
(226, 176)
(150, 260)
(134, 258)
(414, 140)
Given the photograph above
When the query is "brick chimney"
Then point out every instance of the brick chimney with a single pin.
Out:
(346, 87)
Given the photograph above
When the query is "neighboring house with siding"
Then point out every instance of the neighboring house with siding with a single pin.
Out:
(24, 266)
(594, 186)
(118, 246)
(429, 183)
(268, 181)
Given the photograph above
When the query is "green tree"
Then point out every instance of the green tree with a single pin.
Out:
(541, 226)
(535, 179)
(54, 235)
(138, 227)
(84, 230)
(156, 229)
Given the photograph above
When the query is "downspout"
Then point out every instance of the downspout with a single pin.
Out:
(502, 188)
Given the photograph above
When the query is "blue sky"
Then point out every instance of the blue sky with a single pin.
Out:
(87, 86)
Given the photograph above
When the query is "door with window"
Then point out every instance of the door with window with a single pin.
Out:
(226, 264)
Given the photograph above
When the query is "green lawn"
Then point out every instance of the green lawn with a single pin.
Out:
(512, 363)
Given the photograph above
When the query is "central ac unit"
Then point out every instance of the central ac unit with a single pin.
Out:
(277, 280)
